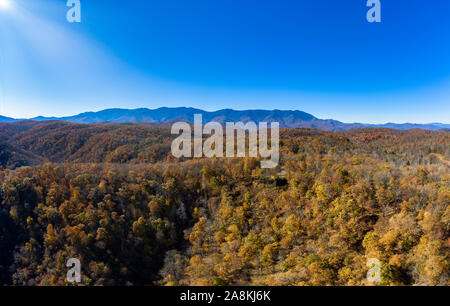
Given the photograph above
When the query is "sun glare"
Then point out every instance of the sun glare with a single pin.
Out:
(5, 4)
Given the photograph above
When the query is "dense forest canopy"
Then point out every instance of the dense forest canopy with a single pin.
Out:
(112, 196)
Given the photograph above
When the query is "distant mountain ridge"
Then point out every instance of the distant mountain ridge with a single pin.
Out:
(6, 119)
(286, 118)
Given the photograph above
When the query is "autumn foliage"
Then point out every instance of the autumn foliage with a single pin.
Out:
(113, 197)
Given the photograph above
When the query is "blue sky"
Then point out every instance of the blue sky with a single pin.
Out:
(322, 57)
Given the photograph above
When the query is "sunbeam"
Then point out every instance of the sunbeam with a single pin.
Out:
(39, 50)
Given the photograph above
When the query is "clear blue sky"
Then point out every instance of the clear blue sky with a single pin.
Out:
(321, 57)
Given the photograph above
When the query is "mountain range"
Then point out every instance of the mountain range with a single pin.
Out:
(286, 118)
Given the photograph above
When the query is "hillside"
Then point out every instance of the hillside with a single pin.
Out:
(12, 157)
(114, 198)
(33, 142)
(58, 141)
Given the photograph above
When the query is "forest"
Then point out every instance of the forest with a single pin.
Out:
(113, 196)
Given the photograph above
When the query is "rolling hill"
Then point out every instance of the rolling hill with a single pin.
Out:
(28, 143)
(113, 195)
